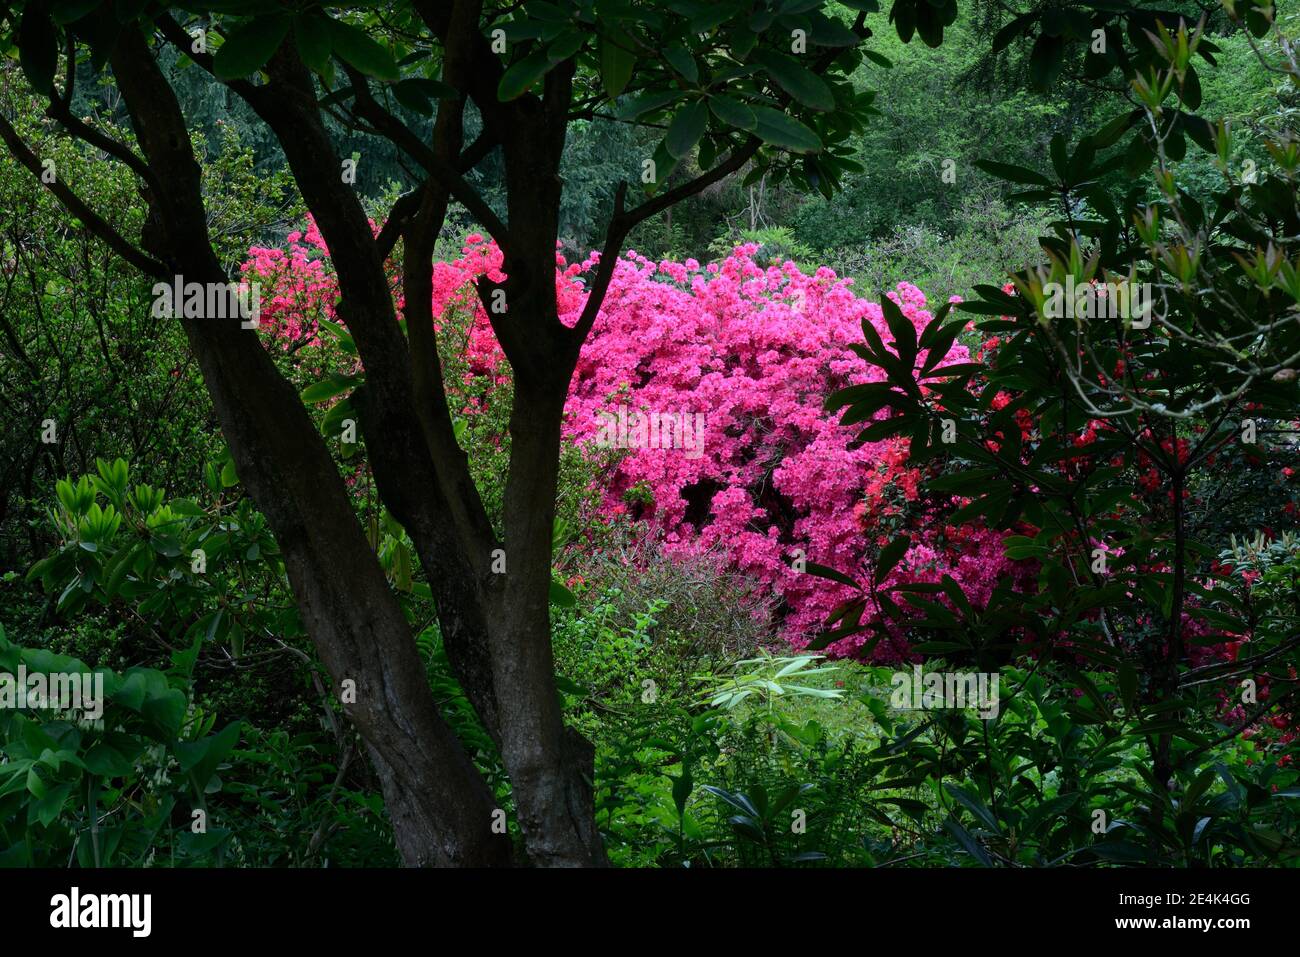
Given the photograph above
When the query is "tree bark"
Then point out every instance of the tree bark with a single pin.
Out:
(442, 809)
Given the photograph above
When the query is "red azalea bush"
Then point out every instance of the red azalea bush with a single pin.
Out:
(737, 359)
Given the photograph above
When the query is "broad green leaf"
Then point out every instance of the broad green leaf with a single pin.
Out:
(733, 112)
(777, 129)
(312, 36)
(332, 385)
(248, 48)
(616, 61)
(686, 129)
(38, 48)
(356, 47)
(797, 80)
(517, 80)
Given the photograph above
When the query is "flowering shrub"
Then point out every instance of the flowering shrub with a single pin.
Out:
(771, 481)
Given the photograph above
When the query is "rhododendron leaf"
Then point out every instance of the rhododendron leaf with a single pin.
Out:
(312, 36)
(957, 368)
(829, 32)
(864, 411)
(830, 574)
(409, 94)
(941, 344)
(1013, 174)
(560, 596)
(799, 81)
(990, 504)
(616, 61)
(70, 11)
(733, 112)
(680, 59)
(1012, 31)
(879, 59)
(1046, 60)
(934, 326)
(330, 386)
(38, 48)
(356, 47)
(777, 129)
(903, 330)
(867, 392)
(903, 17)
(634, 107)
(248, 48)
(890, 556)
(883, 429)
(875, 344)
(685, 130)
(566, 45)
(229, 477)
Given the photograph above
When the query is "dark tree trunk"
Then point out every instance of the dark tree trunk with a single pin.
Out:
(442, 809)
(550, 765)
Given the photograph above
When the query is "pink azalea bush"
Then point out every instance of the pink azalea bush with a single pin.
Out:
(775, 481)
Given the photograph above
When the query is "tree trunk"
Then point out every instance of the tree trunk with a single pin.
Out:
(550, 765)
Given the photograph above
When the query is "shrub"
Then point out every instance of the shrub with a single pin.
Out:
(776, 483)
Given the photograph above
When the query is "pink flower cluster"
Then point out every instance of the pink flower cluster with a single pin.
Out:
(302, 286)
(775, 480)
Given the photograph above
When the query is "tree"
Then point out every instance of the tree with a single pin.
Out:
(526, 75)
(732, 84)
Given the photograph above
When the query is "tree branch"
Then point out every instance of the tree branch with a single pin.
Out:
(74, 204)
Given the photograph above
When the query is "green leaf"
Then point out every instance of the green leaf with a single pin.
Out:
(200, 758)
(891, 555)
(616, 61)
(560, 596)
(830, 574)
(634, 107)
(799, 81)
(1013, 174)
(565, 46)
(410, 96)
(70, 11)
(681, 60)
(248, 48)
(777, 129)
(312, 36)
(903, 331)
(516, 81)
(828, 32)
(974, 805)
(38, 48)
(108, 762)
(964, 838)
(686, 129)
(1046, 60)
(733, 112)
(332, 385)
(357, 48)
